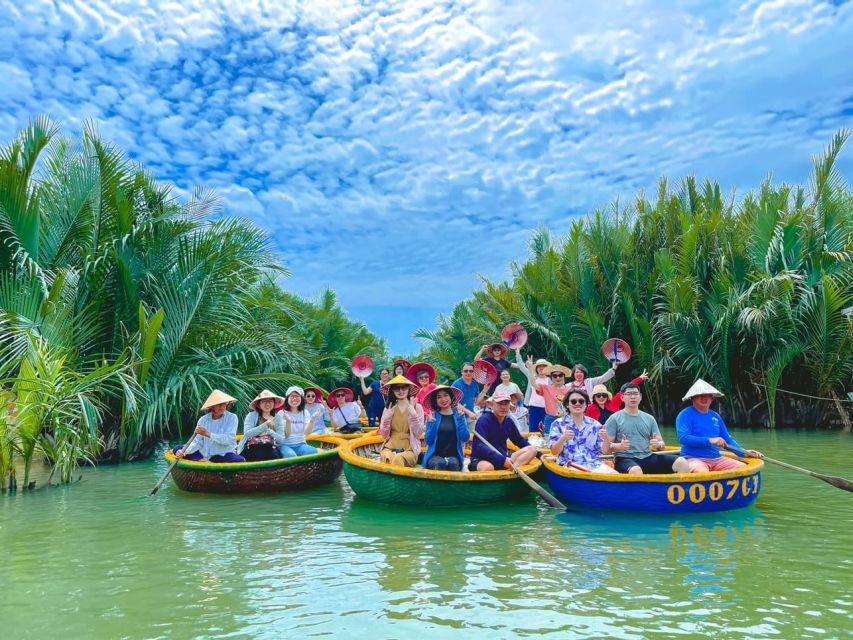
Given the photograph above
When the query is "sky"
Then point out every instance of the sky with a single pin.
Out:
(398, 151)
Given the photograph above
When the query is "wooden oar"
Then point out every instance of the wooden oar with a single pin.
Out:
(171, 466)
(547, 497)
(835, 481)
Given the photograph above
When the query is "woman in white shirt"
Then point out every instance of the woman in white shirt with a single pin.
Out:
(297, 424)
(216, 434)
(263, 428)
(314, 404)
(346, 414)
(508, 387)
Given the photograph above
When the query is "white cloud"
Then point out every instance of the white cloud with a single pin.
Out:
(399, 142)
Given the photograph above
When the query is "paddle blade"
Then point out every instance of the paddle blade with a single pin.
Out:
(835, 481)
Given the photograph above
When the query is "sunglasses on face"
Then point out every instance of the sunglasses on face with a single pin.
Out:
(600, 395)
(340, 395)
(557, 375)
(310, 395)
(467, 371)
(577, 401)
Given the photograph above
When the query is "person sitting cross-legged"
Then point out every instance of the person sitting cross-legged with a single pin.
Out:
(216, 433)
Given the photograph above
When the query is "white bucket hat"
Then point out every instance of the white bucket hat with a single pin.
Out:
(701, 388)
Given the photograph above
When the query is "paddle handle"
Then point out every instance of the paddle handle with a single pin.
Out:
(171, 466)
(547, 497)
(835, 481)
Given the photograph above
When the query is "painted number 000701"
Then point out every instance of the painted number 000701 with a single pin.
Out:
(718, 490)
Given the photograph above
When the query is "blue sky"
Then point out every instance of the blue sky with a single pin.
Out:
(396, 150)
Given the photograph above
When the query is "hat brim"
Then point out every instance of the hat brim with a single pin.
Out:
(559, 369)
(415, 370)
(332, 401)
(455, 397)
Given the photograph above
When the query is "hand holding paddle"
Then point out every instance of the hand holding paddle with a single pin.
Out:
(547, 497)
(172, 466)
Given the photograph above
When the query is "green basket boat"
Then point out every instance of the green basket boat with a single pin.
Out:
(393, 484)
(268, 476)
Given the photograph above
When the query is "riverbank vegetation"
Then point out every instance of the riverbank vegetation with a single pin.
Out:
(121, 307)
(752, 292)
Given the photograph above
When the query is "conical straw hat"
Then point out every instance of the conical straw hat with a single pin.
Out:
(700, 388)
(266, 394)
(385, 389)
(217, 397)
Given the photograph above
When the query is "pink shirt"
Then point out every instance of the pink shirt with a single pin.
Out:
(553, 399)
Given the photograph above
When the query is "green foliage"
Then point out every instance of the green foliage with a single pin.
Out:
(754, 296)
(121, 308)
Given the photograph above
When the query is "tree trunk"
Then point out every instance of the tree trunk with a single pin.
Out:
(843, 412)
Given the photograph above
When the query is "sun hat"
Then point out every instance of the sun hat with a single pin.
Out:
(514, 335)
(498, 396)
(539, 363)
(385, 389)
(266, 394)
(317, 391)
(455, 397)
(498, 345)
(217, 397)
(485, 372)
(332, 401)
(403, 363)
(700, 388)
(295, 389)
(600, 388)
(559, 368)
(415, 370)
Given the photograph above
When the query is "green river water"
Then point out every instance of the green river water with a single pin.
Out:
(100, 560)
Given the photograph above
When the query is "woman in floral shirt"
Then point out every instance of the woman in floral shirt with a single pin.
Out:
(577, 438)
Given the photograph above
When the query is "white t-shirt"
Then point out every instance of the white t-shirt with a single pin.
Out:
(351, 412)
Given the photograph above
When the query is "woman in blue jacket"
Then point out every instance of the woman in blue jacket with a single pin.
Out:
(446, 430)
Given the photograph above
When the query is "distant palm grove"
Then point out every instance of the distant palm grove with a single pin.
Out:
(753, 293)
(122, 307)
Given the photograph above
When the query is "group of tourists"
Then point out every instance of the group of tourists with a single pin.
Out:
(587, 427)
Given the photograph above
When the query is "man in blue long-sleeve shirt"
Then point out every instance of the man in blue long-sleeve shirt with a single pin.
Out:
(702, 432)
(496, 427)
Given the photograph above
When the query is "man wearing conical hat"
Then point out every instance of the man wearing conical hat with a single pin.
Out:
(702, 432)
(216, 434)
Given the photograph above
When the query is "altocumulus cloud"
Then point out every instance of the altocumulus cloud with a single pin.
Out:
(396, 149)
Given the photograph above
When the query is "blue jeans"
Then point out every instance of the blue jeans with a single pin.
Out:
(547, 423)
(302, 449)
(535, 415)
(373, 415)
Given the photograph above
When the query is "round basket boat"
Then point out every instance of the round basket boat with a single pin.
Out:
(660, 493)
(268, 476)
(393, 484)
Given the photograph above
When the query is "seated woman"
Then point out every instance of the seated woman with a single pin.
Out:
(509, 387)
(346, 414)
(604, 404)
(297, 424)
(261, 426)
(577, 438)
(402, 423)
(314, 405)
(446, 431)
(216, 434)
(702, 432)
(497, 427)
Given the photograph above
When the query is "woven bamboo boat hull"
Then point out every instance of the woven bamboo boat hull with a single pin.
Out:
(269, 476)
(664, 493)
(392, 484)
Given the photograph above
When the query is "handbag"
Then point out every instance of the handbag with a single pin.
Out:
(349, 427)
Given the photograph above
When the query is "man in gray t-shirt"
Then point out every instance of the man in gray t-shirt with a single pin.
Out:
(635, 435)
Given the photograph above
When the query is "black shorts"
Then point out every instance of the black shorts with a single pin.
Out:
(472, 465)
(655, 463)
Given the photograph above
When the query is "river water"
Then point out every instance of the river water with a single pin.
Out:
(100, 560)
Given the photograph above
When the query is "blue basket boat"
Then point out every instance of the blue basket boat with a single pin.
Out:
(659, 493)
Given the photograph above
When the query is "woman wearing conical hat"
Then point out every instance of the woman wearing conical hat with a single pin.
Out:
(702, 432)
(216, 433)
(402, 423)
(262, 426)
(446, 430)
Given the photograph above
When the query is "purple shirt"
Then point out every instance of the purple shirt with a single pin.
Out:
(497, 433)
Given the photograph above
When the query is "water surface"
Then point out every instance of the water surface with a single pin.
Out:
(100, 560)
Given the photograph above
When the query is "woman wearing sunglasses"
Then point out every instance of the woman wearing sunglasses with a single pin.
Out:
(553, 394)
(346, 414)
(578, 439)
(314, 404)
(604, 404)
(402, 423)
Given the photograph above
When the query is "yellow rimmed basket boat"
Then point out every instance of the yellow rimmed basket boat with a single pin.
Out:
(374, 480)
(268, 476)
(658, 493)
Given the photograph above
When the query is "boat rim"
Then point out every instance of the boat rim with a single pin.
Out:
(351, 458)
(753, 466)
(204, 465)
